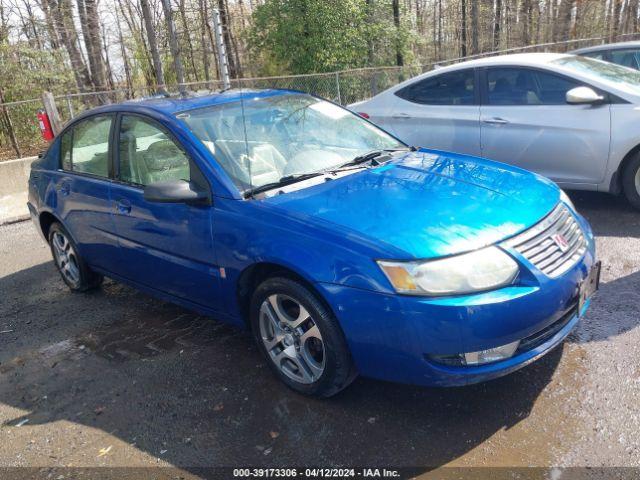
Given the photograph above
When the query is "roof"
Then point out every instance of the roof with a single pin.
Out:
(608, 46)
(515, 58)
(173, 105)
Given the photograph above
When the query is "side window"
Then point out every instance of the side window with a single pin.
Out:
(148, 154)
(65, 149)
(521, 86)
(626, 58)
(85, 147)
(453, 88)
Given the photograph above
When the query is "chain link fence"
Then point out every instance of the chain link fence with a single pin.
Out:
(20, 132)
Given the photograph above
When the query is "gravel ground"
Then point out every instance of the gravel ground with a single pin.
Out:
(117, 378)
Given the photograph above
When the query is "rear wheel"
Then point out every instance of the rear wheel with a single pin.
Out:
(73, 269)
(300, 338)
(631, 182)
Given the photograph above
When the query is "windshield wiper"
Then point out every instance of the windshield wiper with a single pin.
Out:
(365, 157)
(286, 180)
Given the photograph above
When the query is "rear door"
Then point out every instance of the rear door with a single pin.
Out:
(165, 246)
(83, 189)
(525, 121)
(440, 111)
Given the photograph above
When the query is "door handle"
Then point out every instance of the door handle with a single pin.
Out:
(123, 206)
(400, 115)
(495, 121)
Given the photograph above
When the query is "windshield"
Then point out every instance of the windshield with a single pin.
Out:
(623, 78)
(260, 140)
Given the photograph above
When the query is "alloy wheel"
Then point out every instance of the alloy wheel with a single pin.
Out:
(291, 338)
(65, 257)
(637, 181)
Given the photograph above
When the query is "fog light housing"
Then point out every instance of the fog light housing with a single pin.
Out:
(481, 357)
(491, 354)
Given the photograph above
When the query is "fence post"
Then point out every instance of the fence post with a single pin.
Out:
(338, 87)
(70, 107)
(52, 112)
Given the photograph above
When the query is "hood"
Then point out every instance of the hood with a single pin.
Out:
(428, 203)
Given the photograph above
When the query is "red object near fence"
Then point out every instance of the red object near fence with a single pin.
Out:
(45, 125)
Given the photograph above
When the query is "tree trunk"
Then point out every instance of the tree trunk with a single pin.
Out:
(153, 45)
(525, 14)
(395, 6)
(497, 20)
(125, 60)
(204, 41)
(107, 61)
(95, 53)
(463, 28)
(173, 45)
(187, 32)
(232, 48)
(9, 125)
(564, 20)
(63, 17)
(474, 27)
(615, 19)
(54, 40)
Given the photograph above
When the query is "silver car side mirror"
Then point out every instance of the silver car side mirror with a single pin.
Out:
(583, 96)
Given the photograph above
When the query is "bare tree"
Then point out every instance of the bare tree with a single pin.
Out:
(153, 45)
(463, 28)
(474, 27)
(173, 44)
(497, 20)
(63, 17)
(395, 7)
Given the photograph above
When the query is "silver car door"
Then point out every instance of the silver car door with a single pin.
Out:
(525, 121)
(440, 111)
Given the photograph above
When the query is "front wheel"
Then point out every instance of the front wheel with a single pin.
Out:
(300, 338)
(74, 271)
(631, 182)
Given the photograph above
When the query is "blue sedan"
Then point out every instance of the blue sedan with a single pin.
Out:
(343, 250)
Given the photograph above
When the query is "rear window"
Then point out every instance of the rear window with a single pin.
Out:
(453, 88)
(85, 147)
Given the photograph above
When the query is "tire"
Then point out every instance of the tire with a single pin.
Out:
(72, 268)
(300, 338)
(631, 182)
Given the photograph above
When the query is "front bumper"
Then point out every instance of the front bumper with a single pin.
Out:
(393, 337)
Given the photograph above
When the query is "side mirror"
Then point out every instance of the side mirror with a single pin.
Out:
(176, 191)
(583, 96)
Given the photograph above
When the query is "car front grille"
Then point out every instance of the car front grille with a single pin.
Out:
(553, 245)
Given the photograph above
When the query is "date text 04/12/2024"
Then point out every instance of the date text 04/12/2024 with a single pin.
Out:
(315, 473)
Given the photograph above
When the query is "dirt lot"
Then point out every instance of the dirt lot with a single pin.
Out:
(117, 378)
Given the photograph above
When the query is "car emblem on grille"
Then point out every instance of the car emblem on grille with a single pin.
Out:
(560, 241)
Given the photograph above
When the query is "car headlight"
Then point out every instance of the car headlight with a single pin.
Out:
(483, 269)
(565, 198)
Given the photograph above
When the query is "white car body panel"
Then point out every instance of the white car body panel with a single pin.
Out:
(578, 146)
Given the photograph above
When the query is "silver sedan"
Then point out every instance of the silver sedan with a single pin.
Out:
(573, 119)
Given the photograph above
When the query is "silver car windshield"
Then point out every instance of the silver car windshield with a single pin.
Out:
(259, 140)
(623, 77)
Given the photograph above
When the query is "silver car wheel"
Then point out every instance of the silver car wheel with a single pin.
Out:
(65, 257)
(637, 181)
(292, 338)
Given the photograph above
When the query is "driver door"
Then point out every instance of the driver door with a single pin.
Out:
(164, 246)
